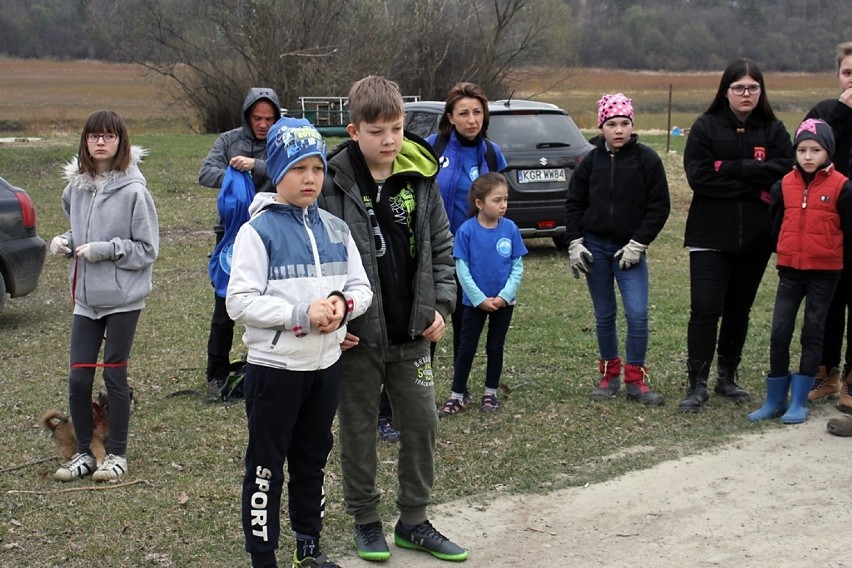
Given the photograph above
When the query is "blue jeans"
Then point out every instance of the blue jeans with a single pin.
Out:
(473, 321)
(633, 285)
(817, 289)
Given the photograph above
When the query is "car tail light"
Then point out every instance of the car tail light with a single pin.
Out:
(546, 224)
(27, 209)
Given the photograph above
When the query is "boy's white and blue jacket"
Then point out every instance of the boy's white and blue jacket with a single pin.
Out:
(286, 257)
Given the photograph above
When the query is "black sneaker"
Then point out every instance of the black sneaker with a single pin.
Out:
(370, 542)
(426, 538)
(387, 431)
(321, 561)
(214, 387)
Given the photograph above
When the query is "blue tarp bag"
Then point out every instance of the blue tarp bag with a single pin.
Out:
(234, 199)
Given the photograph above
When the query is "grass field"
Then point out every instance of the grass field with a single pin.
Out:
(46, 98)
(186, 456)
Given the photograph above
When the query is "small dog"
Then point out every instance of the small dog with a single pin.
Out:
(61, 428)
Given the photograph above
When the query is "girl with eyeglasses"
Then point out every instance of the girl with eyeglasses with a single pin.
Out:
(112, 244)
(735, 152)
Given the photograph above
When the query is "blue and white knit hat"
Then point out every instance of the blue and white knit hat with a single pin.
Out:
(290, 140)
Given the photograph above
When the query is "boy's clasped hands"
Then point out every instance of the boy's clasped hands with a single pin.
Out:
(327, 314)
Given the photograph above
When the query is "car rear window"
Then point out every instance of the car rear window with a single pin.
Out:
(422, 123)
(526, 131)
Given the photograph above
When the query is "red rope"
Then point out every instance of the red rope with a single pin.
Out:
(96, 365)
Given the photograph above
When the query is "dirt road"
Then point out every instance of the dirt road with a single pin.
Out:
(778, 499)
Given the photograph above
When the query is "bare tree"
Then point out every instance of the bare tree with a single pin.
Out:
(214, 51)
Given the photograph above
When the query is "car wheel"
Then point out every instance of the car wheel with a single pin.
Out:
(560, 242)
(2, 292)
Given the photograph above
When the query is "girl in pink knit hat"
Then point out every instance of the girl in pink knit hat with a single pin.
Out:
(618, 202)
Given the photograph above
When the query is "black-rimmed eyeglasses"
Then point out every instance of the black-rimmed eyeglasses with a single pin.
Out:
(108, 137)
(740, 90)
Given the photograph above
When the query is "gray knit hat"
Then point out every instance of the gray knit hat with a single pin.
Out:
(818, 130)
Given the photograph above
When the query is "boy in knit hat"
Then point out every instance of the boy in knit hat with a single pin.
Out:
(296, 279)
(618, 202)
(811, 211)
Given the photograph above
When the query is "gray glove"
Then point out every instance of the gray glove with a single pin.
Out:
(630, 254)
(59, 245)
(579, 258)
(96, 251)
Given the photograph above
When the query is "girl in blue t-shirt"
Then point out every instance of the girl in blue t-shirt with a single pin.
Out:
(489, 266)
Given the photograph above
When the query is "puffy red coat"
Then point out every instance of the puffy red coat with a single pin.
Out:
(810, 236)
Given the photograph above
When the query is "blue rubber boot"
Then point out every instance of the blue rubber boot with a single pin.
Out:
(776, 399)
(800, 386)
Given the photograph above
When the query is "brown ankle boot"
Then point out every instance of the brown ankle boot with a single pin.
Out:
(826, 385)
(844, 403)
(610, 381)
(840, 426)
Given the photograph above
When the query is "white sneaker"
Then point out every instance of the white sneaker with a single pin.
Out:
(114, 468)
(78, 467)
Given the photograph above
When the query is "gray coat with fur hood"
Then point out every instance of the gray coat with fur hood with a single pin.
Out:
(116, 214)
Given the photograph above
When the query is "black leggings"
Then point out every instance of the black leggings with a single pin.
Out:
(116, 332)
(722, 286)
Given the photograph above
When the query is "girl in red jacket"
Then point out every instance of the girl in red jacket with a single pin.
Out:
(812, 210)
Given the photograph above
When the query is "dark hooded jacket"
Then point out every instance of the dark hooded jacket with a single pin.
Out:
(730, 166)
(432, 286)
(240, 142)
(839, 117)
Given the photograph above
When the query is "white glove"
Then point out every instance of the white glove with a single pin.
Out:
(96, 251)
(630, 254)
(579, 258)
(59, 245)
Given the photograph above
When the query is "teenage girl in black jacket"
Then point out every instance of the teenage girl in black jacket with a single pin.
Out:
(735, 151)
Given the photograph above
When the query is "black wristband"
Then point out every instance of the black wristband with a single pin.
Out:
(345, 303)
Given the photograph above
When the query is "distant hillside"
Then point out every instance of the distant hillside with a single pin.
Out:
(675, 35)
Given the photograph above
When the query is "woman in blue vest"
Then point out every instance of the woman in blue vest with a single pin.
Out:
(464, 154)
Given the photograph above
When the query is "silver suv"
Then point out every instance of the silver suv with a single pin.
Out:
(542, 146)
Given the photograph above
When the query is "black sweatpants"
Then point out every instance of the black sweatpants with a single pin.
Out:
(219, 342)
(289, 418)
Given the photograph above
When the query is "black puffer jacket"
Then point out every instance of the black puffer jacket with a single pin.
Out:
(730, 201)
(619, 196)
(839, 117)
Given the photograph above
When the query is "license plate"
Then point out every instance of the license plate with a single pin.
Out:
(541, 176)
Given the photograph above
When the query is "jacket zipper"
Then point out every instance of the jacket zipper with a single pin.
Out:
(307, 224)
(424, 208)
(377, 294)
(88, 236)
(611, 186)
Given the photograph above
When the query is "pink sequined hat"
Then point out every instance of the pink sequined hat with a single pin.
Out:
(611, 106)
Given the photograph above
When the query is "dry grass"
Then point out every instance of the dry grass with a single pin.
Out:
(547, 436)
(46, 97)
(42, 98)
(577, 90)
